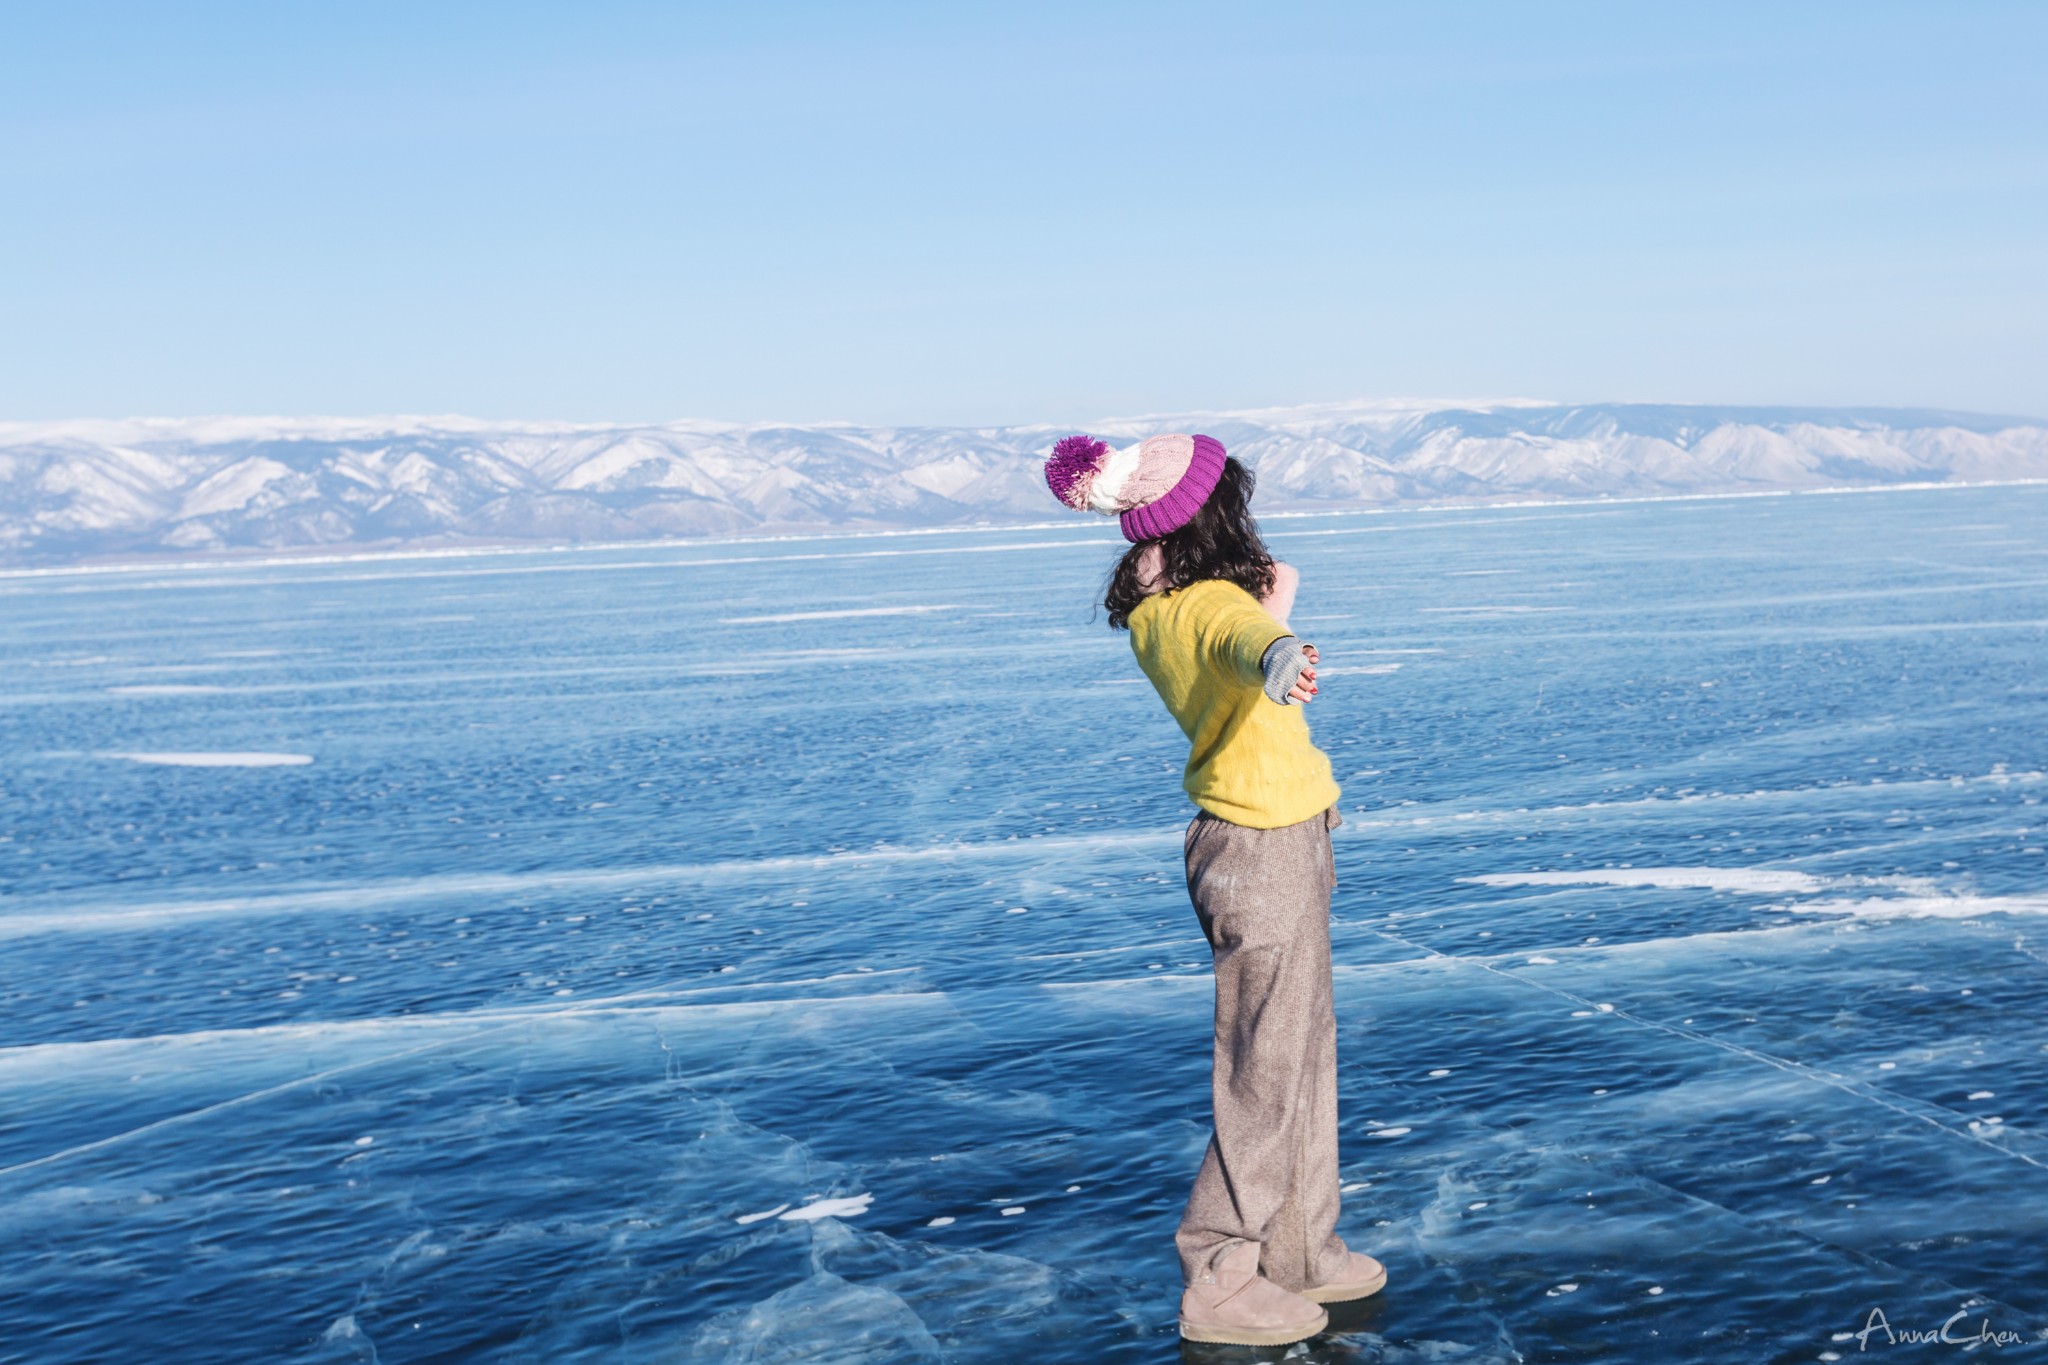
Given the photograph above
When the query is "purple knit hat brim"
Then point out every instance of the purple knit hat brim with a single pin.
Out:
(1178, 505)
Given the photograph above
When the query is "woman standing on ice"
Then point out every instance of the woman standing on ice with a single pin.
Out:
(1206, 607)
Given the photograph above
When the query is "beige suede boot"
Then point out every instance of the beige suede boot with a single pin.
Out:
(1235, 1305)
(1361, 1278)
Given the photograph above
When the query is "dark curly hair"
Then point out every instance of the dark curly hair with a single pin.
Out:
(1221, 542)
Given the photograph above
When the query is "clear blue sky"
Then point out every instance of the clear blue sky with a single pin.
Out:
(975, 212)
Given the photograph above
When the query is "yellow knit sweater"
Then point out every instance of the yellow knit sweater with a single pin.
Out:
(1250, 760)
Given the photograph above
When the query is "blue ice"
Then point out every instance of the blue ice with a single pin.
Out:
(776, 951)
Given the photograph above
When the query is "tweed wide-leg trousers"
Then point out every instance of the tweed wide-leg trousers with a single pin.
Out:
(1270, 1174)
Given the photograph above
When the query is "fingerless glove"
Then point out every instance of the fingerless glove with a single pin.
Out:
(1282, 664)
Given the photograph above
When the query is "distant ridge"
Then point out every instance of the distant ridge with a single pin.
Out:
(150, 487)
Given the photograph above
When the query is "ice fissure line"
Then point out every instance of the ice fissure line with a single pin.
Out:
(115, 1139)
(1862, 1257)
(1785, 1064)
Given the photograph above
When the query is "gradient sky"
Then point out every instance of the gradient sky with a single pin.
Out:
(975, 212)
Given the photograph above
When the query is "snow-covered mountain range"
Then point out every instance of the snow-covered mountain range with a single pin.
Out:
(118, 489)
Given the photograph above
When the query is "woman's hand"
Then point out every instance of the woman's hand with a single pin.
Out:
(1304, 689)
(1305, 686)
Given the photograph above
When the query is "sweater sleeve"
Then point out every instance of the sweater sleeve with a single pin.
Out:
(1236, 637)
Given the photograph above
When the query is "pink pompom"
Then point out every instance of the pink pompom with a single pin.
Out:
(1074, 463)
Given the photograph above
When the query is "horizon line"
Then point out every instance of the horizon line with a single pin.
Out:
(13, 430)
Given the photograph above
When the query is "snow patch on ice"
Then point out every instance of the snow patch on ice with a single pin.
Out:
(780, 617)
(1911, 898)
(849, 1207)
(165, 690)
(252, 759)
(1507, 609)
(72, 913)
(1753, 880)
(1926, 907)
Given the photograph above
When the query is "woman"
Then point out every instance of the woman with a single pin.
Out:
(1206, 608)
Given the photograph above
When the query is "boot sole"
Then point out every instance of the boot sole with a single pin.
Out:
(1247, 1336)
(1345, 1293)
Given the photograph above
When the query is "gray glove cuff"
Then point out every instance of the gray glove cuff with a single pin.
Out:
(1282, 664)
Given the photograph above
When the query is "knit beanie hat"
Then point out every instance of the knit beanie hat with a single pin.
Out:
(1153, 487)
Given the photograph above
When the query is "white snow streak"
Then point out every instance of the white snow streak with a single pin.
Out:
(214, 760)
(834, 615)
(830, 1208)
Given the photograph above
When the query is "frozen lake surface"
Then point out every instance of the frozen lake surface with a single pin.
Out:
(777, 952)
